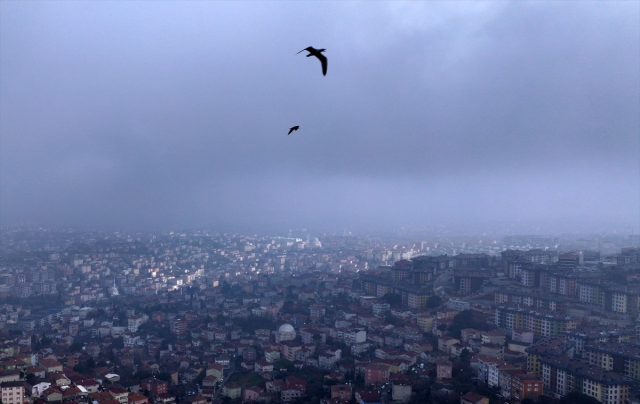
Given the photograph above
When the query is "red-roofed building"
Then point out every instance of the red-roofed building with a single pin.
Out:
(252, 393)
(473, 398)
(154, 386)
(137, 398)
(376, 374)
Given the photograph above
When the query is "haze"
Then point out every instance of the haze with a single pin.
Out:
(160, 114)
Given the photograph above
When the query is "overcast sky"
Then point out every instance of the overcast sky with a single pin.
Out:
(175, 114)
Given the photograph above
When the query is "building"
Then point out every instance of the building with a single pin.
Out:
(459, 305)
(154, 386)
(443, 369)
(526, 385)
(376, 374)
(252, 393)
(596, 335)
(286, 332)
(526, 298)
(563, 375)
(413, 295)
(467, 282)
(522, 335)
(445, 343)
(342, 391)
(544, 323)
(12, 392)
(290, 393)
(619, 357)
(232, 390)
(548, 347)
(473, 398)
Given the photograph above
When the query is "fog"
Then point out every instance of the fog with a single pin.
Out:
(175, 114)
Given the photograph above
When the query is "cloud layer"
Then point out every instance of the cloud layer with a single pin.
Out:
(175, 114)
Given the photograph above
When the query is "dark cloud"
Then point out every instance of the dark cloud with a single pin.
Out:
(175, 114)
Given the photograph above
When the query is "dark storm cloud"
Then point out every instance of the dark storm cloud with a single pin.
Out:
(165, 114)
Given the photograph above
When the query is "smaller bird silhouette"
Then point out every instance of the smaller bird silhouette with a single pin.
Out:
(317, 53)
(292, 129)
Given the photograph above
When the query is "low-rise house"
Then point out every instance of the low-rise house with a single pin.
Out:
(216, 370)
(50, 365)
(52, 395)
(473, 398)
(263, 366)
(445, 343)
(119, 394)
(401, 392)
(342, 391)
(252, 393)
(137, 398)
(443, 369)
(36, 387)
(165, 398)
(274, 386)
(290, 393)
(232, 390)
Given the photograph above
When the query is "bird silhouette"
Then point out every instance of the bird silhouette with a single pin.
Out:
(317, 53)
(292, 129)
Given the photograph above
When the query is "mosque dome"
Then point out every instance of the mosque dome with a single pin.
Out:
(286, 328)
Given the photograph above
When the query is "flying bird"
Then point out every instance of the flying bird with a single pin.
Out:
(292, 129)
(317, 53)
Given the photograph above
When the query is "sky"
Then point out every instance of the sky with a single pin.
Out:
(157, 115)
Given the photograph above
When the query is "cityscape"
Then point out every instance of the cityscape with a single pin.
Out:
(199, 317)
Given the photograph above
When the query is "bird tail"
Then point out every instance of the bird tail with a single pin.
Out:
(301, 51)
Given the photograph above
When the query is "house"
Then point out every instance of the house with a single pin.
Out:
(232, 390)
(445, 343)
(290, 393)
(38, 387)
(52, 395)
(443, 369)
(368, 397)
(263, 366)
(165, 398)
(493, 337)
(342, 391)
(137, 398)
(401, 392)
(209, 381)
(196, 400)
(274, 386)
(50, 365)
(252, 393)
(473, 398)
(216, 370)
(119, 394)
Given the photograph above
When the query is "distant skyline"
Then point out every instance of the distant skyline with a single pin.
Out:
(159, 115)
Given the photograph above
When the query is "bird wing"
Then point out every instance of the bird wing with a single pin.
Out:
(323, 60)
(305, 49)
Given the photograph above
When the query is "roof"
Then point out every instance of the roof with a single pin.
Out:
(286, 328)
(473, 397)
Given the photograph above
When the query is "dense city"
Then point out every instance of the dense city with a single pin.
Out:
(202, 317)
